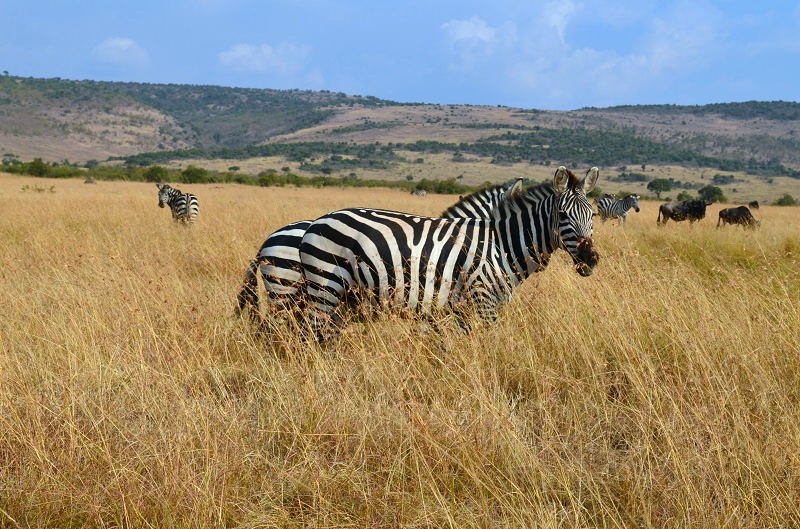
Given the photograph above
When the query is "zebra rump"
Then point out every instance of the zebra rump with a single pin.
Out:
(184, 206)
(419, 263)
(281, 271)
(279, 256)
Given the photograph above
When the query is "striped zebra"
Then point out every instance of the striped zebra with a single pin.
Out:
(279, 257)
(421, 264)
(184, 206)
(609, 207)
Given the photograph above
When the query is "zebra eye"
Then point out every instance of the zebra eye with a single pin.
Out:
(562, 215)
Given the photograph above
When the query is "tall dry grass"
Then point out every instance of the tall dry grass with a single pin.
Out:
(663, 391)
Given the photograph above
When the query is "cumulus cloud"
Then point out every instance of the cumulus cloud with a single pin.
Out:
(120, 50)
(283, 59)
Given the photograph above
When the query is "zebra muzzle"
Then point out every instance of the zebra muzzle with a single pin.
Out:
(586, 257)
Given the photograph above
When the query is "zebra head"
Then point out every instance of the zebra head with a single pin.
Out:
(575, 217)
(163, 194)
(634, 202)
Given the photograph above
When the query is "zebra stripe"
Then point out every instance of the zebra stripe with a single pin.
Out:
(421, 263)
(279, 256)
(609, 207)
(184, 206)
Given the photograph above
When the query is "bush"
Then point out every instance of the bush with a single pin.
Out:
(194, 175)
(786, 200)
(156, 173)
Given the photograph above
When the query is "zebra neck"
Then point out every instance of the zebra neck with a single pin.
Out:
(527, 231)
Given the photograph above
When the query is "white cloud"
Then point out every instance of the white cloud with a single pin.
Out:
(120, 51)
(541, 59)
(684, 38)
(558, 14)
(283, 59)
(473, 29)
(473, 41)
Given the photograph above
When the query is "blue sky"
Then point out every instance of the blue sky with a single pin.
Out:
(559, 54)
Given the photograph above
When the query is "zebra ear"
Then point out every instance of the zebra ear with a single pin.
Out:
(589, 181)
(561, 179)
(515, 188)
(159, 185)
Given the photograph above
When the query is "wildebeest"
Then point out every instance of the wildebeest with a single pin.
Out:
(753, 204)
(678, 211)
(740, 216)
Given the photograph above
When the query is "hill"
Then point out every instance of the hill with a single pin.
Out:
(324, 132)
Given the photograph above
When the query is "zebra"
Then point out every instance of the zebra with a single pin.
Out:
(279, 256)
(419, 192)
(609, 207)
(184, 206)
(421, 264)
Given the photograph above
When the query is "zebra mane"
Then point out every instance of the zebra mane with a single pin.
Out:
(472, 198)
(488, 198)
(537, 192)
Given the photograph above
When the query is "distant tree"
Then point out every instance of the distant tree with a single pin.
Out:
(286, 169)
(644, 166)
(711, 193)
(91, 164)
(683, 195)
(409, 177)
(658, 186)
(156, 173)
(233, 168)
(38, 168)
(786, 200)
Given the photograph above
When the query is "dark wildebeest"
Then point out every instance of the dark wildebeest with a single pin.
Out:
(740, 216)
(753, 204)
(678, 211)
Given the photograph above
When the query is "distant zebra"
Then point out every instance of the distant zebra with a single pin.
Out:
(421, 263)
(184, 206)
(279, 256)
(419, 192)
(609, 207)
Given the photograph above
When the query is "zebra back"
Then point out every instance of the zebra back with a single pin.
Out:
(279, 255)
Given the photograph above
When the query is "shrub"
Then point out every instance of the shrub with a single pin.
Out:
(786, 200)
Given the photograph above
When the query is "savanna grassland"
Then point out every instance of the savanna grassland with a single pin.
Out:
(663, 391)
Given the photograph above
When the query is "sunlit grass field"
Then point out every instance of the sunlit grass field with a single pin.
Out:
(663, 391)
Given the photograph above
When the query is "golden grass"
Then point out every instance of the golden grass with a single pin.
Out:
(663, 391)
